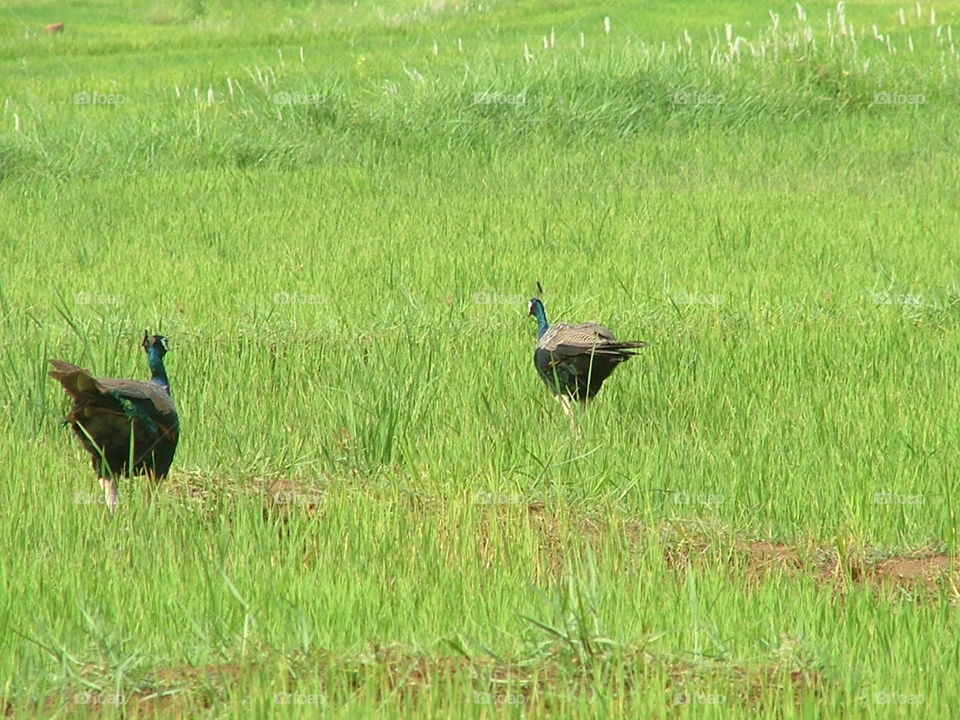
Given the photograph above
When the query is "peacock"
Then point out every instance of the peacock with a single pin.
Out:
(120, 420)
(574, 360)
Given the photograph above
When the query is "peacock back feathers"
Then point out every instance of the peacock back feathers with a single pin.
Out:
(115, 418)
(575, 360)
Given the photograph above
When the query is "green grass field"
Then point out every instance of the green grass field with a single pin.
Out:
(337, 212)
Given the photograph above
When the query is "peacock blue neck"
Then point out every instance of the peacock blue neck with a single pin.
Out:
(158, 374)
(541, 315)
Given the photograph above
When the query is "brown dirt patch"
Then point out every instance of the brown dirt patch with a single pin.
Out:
(929, 572)
(562, 533)
(922, 571)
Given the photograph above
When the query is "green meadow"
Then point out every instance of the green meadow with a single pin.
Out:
(337, 211)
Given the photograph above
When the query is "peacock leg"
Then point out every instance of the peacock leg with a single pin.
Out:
(110, 493)
(567, 404)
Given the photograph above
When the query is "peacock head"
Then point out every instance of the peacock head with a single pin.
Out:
(157, 343)
(535, 306)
